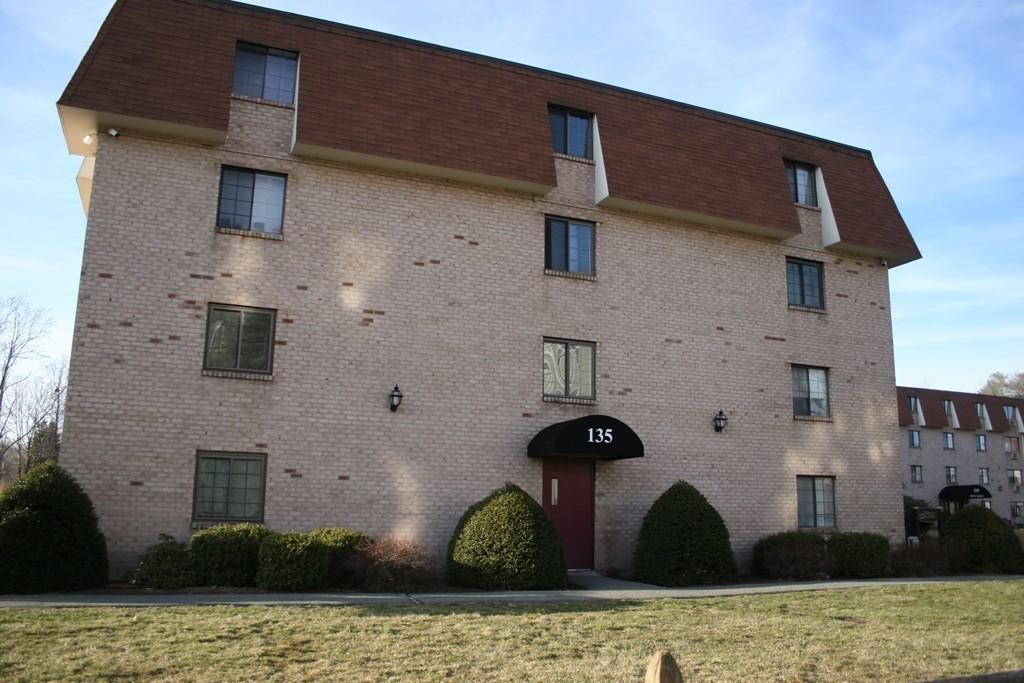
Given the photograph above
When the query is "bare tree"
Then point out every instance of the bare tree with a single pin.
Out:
(22, 326)
(36, 420)
(1000, 384)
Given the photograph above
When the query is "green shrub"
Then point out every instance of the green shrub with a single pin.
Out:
(506, 541)
(859, 555)
(227, 554)
(343, 571)
(166, 564)
(391, 564)
(979, 540)
(683, 541)
(292, 561)
(927, 558)
(49, 535)
(791, 555)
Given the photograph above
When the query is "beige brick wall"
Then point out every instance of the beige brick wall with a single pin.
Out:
(382, 279)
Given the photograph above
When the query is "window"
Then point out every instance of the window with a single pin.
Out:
(816, 503)
(950, 474)
(229, 486)
(1017, 509)
(1013, 476)
(982, 475)
(569, 369)
(947, 440)
(1009, 412)
(804, 282)
(801, 183)
(947, 407)
(915, 438)
(915, 407)
(250, 200)
(982, 442)
(810, 391)
(568, 245)
(571, 131)
(265, 72)
(980, 408)
(916, 474)
(239, 338)
(1011, 445)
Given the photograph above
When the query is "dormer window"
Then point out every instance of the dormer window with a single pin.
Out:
(571, 132)
(801, 183)
(947, 406)
(265, 73)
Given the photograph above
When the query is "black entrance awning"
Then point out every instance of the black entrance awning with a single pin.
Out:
(597, 437)
(964, 492)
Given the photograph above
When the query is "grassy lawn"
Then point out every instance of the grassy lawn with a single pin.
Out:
(889, 633)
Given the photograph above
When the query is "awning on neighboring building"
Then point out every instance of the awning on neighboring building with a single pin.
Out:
(964, 492)
(597, 437)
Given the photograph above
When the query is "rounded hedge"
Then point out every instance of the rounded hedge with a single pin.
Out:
(49, 535)
(683, 540)
(858, 555)
(166, 564)
(506, 541)
(978, 540)
(292, 561)
(343, 571)
(791, 555)
(228, 554)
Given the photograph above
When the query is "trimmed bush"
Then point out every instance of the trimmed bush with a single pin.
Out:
(343, 569)
(228, 554)
(506, 541)
(683, 541)
(166, 564)
(791, 555)
(391, 564)
(49, 535)
(978, 540)
(928, 558)
(860, 555)
(292, 561)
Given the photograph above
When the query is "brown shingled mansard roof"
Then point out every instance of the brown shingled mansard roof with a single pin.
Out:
(372, 98)
(964, 404)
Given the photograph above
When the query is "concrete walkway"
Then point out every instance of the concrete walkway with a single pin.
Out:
(590, 587)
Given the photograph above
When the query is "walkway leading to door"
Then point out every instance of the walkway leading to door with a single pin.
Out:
(604, 589)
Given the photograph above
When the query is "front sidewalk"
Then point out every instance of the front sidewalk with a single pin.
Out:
(591, 587)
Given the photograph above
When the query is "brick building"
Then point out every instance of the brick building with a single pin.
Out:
(568, 281)
(961, 449)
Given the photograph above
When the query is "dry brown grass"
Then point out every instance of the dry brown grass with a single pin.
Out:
(890, 633)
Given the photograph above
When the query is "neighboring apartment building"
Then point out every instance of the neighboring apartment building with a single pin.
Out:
(567, 282)
(961, 449)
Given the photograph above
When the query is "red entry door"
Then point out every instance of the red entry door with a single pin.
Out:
(569, 501)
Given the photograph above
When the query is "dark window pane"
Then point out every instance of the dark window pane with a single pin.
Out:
(222, 339)
(579, 135)
(793, 283)
(280, 82)
(556, 118)
(250, 64)
(556, 245)
(254, 351)
(811, 285)
(581, 248)
(791, 179)
(235, 208)
(805, 185)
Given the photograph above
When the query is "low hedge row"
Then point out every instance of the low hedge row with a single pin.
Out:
(250, 555)
(810, 555)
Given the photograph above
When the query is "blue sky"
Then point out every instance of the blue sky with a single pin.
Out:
(934, 89)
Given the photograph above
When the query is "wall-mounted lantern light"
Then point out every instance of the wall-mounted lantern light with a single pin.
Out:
(395, 398)
(719, 421)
